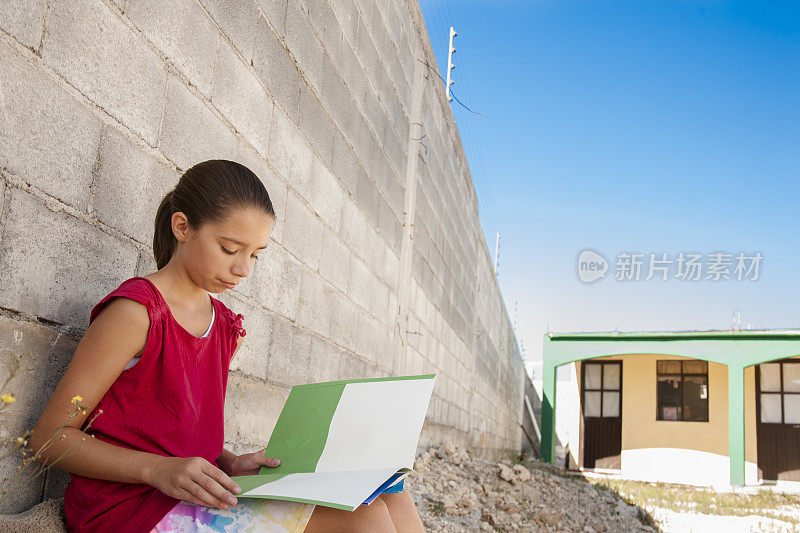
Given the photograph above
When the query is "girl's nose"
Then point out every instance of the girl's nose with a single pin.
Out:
(241, 269)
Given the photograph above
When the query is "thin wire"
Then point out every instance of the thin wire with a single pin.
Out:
(471, 125)
(437, 14)
(451, 90)
(468, 132)
(478, 148)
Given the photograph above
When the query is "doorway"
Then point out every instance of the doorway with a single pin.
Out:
(601, 400)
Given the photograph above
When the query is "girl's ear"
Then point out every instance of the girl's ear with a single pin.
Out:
(180, 225)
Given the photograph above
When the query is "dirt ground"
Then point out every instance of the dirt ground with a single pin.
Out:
(455, 491)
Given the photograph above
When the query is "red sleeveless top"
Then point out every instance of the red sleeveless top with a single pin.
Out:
(169, 403)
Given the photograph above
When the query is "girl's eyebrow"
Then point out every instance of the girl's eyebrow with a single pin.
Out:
(241, 243)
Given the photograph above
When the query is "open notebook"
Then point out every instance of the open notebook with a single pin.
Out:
(342, 443)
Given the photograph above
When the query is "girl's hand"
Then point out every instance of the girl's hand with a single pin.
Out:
(249, 464)
(193, 479)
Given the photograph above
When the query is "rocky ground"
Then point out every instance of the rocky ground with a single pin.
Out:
(457, 492)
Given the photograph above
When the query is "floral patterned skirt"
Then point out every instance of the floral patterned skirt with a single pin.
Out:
(249, 514)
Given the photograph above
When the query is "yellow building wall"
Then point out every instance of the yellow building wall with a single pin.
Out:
(677, 451)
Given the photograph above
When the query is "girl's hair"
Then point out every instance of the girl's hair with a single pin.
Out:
(206, 193)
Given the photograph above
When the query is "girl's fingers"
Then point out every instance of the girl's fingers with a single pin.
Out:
(222, 480)
(189, 497)
(205, 497)
(273, 462)
(217, 491)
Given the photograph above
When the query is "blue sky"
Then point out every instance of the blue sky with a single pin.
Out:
(631, 126)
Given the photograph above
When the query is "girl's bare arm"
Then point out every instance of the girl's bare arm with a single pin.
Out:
(112, 339)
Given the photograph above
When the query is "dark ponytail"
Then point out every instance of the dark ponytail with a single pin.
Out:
(206, 193)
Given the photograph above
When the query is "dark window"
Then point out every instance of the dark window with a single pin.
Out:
(682, 390)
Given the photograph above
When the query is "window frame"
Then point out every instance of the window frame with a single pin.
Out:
(682, 375)
(602, 364)
(781, 393)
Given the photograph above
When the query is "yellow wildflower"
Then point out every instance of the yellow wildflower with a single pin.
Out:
(8, 398)
(77, 399)
(20, 441)
(83, 411)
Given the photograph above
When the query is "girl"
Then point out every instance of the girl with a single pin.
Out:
(153, 366)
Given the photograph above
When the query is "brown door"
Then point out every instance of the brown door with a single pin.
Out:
(778, 420)
(601, 400)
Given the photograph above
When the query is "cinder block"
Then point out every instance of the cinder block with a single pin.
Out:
(49, 280)
(314, 312)
(40, 354)
(315, 124)
(352, 73)
(252, 356)
(302, 43)
(252, 409)
(391, 268)
(239, 96)
(368, 338)
(367, 198)
(334, 262)
(325, 361)
(353, 367)
(327, 27)
(386, 348)
(276, 187)
(288, 354)
(184, 33)
(366, 7)
(379, 300)
(276, 69)
(276, 281)
(335, 96)
(302, 234)
(344, 321)
(373, 248)
(237, 20)
(24, 19)
(326, 195)
(394, 24)
(375, 117)
(56, 151)
(275, 13)
(129, 176)
(358, 283)
(290, 154)
(348, 16)
(353, 226)
(146, 264)
(362, 139)
(191, 132)
(345, 163)
(96, 53)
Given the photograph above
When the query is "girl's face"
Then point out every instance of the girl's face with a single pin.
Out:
(219, 255)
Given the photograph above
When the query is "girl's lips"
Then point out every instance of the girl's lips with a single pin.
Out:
(229, 285)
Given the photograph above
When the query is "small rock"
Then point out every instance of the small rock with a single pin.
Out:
(507, 473)
(523, 474)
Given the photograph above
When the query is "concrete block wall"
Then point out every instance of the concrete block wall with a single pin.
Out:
(377, 265)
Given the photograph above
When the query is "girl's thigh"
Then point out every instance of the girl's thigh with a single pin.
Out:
(372, 518)
(249, 514)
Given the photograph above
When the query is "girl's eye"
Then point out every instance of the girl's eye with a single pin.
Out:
(231, 253)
